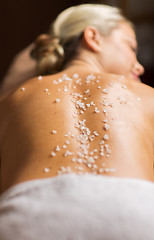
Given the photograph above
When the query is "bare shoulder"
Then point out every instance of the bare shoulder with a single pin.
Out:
(146, 96)
(22, 96)
(10, 100)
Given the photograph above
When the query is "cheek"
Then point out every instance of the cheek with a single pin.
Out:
(117, 58)
(123, 60)
(118, 62)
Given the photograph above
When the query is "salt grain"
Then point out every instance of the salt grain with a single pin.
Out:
(46, 170)
(57, 149)
(40, 78)
(53, 154)
(123, 86)
(54, 131)
(75, 75)
(67, 153)
(23, 89)
(105, 91)
(106, 127)
(106, 137)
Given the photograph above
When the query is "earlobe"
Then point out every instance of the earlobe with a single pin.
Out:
(92, 38)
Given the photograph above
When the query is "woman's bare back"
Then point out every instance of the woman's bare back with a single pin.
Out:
(71, 122)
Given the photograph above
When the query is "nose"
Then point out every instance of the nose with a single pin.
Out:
(139, 69)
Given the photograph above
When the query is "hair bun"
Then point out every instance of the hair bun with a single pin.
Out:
(49, 54)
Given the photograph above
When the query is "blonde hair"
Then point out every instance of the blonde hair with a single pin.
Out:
(68, 28)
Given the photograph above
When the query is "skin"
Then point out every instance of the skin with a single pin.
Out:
(22, 68)
(120, 53)
(29, 116)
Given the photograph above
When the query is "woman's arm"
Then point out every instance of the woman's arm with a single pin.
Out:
(22, 68)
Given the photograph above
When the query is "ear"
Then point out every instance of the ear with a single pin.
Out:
(92, 38)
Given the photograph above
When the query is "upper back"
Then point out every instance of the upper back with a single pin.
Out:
(100, 107)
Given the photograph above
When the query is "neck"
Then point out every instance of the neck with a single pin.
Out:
(85, 61)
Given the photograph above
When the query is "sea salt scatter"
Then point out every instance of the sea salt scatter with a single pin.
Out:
(87, 91)
(79, 160)
(65, 89)
(55, 82)
(57, 100)
(123, 86)
(111, 105)
(73, 159)
(54, 131)
(53, 154)
(79, 168)
(23, 89)
(118, 98)
(105, 91)
(101, 170)
(95, 166)
(89, 165)
(91, 153)
(106, 127)
(40, 78)
(46, 170)
(102, 142)
(138, 99)
(67, 153)
(108, 151)
(105, 112)
(96, 110)
(57, 149)
(75, 76)
(87, 105)
(64, 75)
(106, 170)
(46, 90)
(95, 150)
(106, 145)
(122, 77)
(105, 103)
(95, 133)
(106, 137)
(92, 103)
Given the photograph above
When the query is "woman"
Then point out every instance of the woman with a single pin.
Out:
(93, 115)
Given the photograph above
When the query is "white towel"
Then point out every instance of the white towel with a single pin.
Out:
(73, 207)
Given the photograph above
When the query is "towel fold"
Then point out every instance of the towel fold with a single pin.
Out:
(73, 207)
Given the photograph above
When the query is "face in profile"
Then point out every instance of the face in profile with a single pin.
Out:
(119, 53)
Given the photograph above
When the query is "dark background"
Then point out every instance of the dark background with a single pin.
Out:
(21, 21)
